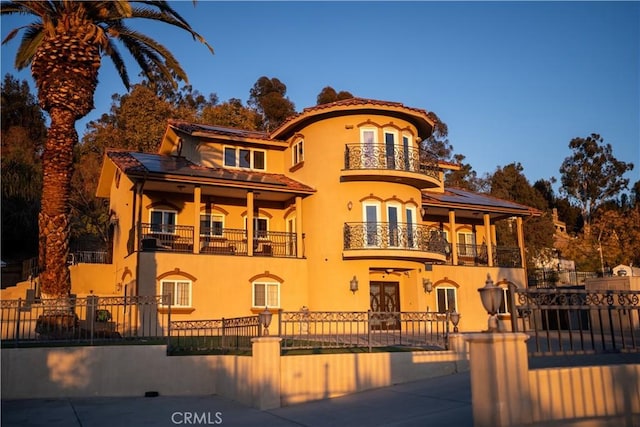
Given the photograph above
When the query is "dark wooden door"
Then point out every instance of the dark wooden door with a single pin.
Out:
(385, 298)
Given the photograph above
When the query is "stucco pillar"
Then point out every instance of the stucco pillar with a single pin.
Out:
(500, 391)
(459, 345)
(453, 236)
(250, 223)
(265, 372)
(299, 242)
(197, 196)
(521, 241)
(488, 238)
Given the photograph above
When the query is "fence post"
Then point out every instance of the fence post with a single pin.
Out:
(500, 392)
(265, 372)
(92, 303)
(224, 335)
(18, 316)
(369, 329)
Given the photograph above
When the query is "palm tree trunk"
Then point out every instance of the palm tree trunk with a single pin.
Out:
(55, 212)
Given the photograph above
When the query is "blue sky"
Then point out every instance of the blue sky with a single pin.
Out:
(515, 82)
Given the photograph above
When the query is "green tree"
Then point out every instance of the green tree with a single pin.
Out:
(329, 94)
(23, 133)
(465, 177)
(592, 175)
(64, 46)
(232, 114)
(509, 183)
(268, 98)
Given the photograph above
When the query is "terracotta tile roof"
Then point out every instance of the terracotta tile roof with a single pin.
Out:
(135, 163)
(464, 198)
(192, 128)
(351, 102)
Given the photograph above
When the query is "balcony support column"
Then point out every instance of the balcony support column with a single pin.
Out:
(299, 243)
(489, 238)
(521, 241)
(197, 200)
(453, 236)
(250, 207)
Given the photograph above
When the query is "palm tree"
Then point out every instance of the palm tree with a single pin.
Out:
(64, 47)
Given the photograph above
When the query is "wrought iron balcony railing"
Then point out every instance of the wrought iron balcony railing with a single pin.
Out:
(381, 156)
(226, 241)
(385, 235)
(503, 256)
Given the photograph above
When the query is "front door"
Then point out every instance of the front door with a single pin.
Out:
(385, 298)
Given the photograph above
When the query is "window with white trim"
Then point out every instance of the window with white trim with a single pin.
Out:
(260, 227)
(446, 299)
(163, 221)
(371, 215)
(297, 152)
(179, 292)
(504, 304)
(466, 244)
(245, 158)
(266, 294)
(211, 224)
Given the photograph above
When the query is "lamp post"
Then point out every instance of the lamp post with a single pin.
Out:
(455, 319)
(491, 297)
(265, 320)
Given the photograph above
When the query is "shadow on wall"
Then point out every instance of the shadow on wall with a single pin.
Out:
(603, 395)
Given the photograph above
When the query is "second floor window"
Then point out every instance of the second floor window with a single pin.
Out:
(297, 152)
(244, 158)
(211, 224)
(163, 221)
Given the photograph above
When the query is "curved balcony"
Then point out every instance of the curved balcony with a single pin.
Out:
(394, 240)
(392, 163)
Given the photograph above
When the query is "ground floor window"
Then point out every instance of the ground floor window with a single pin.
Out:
(266, 294)
(179, 292)
(446, 299)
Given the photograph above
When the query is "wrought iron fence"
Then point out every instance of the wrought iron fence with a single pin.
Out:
(83, 320)
(386, 235)
(390, 157)
(306, 329)
(89, 257)
(204, 336)
(551, 278)
(577, 321)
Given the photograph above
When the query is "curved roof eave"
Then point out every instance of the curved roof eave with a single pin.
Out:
(418, 117)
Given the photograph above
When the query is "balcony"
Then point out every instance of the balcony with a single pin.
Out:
(379, 162)
(394, 240)
(226, 241)
(477, 255)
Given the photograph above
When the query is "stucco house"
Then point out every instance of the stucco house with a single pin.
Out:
(337, 209)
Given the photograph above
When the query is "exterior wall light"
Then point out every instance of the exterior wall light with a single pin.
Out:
(491, 297)
(353, 284)
(427, 284)
(265, 320)
(350, 205)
